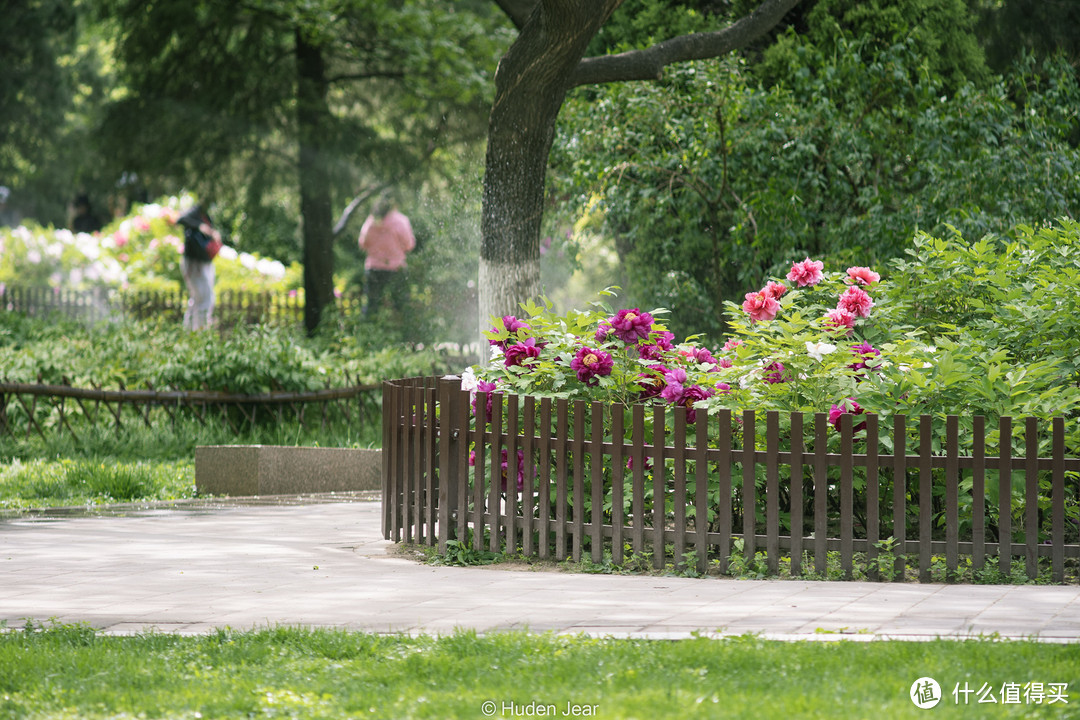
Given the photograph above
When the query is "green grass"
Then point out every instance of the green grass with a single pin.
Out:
(72, 672)
(56, 483)
(141, 463)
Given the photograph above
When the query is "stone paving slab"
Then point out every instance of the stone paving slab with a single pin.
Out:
(191, 569)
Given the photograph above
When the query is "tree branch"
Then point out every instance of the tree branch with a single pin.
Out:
(518, 10)
(649, 64)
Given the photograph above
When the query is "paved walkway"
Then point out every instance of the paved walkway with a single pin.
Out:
(326, 564)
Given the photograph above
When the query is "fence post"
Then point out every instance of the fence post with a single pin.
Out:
(1005, 495)
(1031, 499)
(448, 481)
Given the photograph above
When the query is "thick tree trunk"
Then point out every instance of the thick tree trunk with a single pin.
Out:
(312, 114)
(530, 85)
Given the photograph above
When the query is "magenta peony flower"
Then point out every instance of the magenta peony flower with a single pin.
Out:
(512, 325)
(693, 394)
(489, 388)
(775, 373)
(590, 364)
(653, 350)
(652, 383)
(603, 333)
(806, 273)
(723, 388)
(847, 405)
(862, 276)
(863, 351)
(855, 301)
(760, 306)
(631, 326)
(521, 353)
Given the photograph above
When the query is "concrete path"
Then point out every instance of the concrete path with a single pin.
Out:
(325, 564)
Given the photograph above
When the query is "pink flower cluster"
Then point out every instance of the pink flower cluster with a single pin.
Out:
(854, 302)
(846, 406)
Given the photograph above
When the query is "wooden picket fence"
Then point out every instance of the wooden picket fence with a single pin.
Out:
(589, 474)
(232, 307)
(48, 409)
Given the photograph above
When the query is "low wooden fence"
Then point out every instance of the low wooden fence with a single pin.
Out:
(618, 480)
(231, 307)
(50, 408)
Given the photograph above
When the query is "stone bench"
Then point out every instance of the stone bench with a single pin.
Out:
(247, 470)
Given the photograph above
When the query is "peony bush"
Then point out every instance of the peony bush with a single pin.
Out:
(139, 252)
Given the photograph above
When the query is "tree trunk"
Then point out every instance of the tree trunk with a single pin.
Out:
(312, 115)
(530, 85)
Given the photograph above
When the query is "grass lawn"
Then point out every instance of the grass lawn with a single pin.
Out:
(72, 672)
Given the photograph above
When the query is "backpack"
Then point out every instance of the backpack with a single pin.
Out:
(197, 244)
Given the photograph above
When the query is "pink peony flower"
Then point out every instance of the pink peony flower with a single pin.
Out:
(862, 276)
(141, 224)
(774, 290)
(855, 301)
(603, 332)
(731, 345)
(836, 319)
(120, 239)
(760, 306)
(806, 273)
(590, 364)
(631, 326)
(673, 390)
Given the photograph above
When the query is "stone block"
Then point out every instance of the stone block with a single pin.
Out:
(246, 470)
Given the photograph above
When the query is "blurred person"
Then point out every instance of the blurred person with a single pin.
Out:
(84, 220)
(386, 237)
(202, 241)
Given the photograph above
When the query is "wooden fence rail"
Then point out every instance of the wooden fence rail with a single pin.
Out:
(612, 479)
(44, 407)
(232, 307)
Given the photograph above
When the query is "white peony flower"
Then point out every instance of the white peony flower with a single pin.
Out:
(819, 350)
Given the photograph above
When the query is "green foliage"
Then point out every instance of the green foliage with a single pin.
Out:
(251, 360)
(941, 32)
(708, 184)
(58, 671)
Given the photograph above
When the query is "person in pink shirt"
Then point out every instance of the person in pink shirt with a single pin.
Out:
(386, 237)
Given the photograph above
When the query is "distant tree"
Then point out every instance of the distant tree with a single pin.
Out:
(332, 96)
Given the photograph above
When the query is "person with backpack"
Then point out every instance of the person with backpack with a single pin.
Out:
(202, 241)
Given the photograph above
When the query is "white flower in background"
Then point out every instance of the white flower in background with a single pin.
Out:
(125, 227)
(55, 279)
(271, 268)
(54, 250)
(64, 235)
(248, 261)
(225, 252)
(22, 233)
(152, 210)
(76, 276)
(33, 256)
(819, 350)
